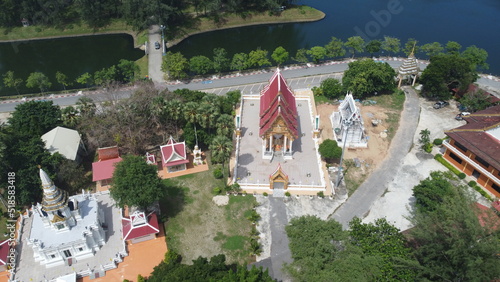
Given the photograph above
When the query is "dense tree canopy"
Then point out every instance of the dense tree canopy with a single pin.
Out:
(35, 118)
(329, 150)
(136, 183)
(203, 269)
(446, 72)
(365, 77)
(450, 242)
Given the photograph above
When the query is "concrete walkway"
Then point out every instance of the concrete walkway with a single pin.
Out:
(360, 203)
(155, 56)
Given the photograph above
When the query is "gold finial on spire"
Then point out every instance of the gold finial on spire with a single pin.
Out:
(412, 54)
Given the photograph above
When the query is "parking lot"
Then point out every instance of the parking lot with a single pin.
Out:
(293, 83)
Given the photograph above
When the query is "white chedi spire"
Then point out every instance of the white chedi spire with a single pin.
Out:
(53, 197)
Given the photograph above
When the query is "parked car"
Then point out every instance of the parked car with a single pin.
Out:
(440, 104)
(157, 45)
(461, 115)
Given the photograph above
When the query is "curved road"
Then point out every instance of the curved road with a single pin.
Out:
(359, 204)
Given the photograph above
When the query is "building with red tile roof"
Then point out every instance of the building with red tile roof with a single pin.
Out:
(140, 227)
(102, 170)
(173, 156)
(278, 126)
(474, 148)
(4, 253)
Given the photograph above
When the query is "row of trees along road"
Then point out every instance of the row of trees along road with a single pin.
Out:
(180, 67)
(139, 14)
(137, 125)
(452, 240)
(123, 72)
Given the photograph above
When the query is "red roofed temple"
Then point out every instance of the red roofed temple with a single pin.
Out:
(474, 148)
(279, 125)
(173, 156)
(102, 170)
(140, 227)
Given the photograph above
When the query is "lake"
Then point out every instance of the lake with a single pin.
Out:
(469, 22)
(72, 55)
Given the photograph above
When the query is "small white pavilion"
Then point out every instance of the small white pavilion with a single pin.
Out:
(348, 126)
(408, 70)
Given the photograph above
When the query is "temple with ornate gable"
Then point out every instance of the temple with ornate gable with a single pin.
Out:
(278, 125)
(277, 135)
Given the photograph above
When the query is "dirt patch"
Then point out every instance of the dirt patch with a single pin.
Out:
(378, 145)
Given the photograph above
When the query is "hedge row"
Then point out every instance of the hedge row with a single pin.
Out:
(461, 175)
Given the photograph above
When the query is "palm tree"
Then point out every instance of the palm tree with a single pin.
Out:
(174, 110)
(158, 110)
(225, 125)
(221, 149)
(207, 114)
(191, 112)
(86, 106)
(69, 116)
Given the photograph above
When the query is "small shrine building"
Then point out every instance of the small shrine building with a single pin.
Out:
(173, 156)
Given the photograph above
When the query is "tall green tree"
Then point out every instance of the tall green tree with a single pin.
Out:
(385, 241)
(62, 79)
(374, 46)
(431, 192)
(175, 64)
(239, 61)
(365, 77)
(11, 81)
(331, 88)
(335, 48)
(200, 64)
(355, 44)
(450, 242)
(127, 70)
(280, 55)
(446, 72)
(136, 183)
(220, 150)
(453, 47)
(476, 100)
(432, 49)
(258, 58)
(301, 56)
(220, 60)
(35, 118)
(317, 53)
(225, 125)
(477, 56)
(391, 44)
(70, 117)
(85, 79)
(38, 80)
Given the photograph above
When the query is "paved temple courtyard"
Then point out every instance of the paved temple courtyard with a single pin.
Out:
(303, 170)
(29, 270)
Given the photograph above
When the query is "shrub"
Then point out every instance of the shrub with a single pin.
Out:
(218, 173)
(461, 175)
(265, 194)
(482, 192)
(472, 183)
(140, 278)
(437, 141)
(217, 190)
(321, 194)
(287, 194)
(428, 147)
(453, 169)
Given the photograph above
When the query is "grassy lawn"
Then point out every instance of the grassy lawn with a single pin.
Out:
(227, 20)
(195, 226)
(31, 32)
(143, 64)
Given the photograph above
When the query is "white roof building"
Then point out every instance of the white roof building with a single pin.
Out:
(65, 141)
(348, 125)
(65, 229)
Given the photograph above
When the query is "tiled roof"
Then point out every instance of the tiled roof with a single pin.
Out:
(278, 101)
(104, 169)
(174, 153)
(130, 231)
(108, 153)
(486, 216)
(477, 135)
(62, 140)
(4, 251)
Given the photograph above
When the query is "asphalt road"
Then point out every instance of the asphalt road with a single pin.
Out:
(297, 78)
(155, 55)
